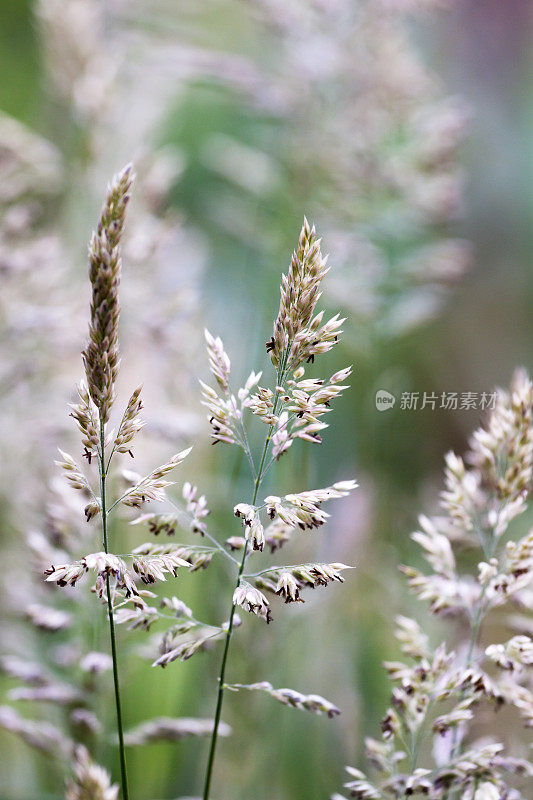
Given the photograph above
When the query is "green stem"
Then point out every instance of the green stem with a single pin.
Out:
(222, 674)
(120, 729)
(220, 694)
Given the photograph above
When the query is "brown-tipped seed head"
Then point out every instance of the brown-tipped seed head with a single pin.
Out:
(101, 356)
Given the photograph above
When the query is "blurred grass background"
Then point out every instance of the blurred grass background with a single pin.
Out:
(333, 645)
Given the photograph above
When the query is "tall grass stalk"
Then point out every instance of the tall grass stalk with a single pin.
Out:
(297, 336)
(115, 581)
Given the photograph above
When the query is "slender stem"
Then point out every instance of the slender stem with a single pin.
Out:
(283, 566)
(121, 498)
(475, 630)
(418, 737)
(120, 729)
(222, 674)
(205, 533)
(220, 694)
(219, 547)
(245, 442)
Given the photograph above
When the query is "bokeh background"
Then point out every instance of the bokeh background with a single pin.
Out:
(403, 129)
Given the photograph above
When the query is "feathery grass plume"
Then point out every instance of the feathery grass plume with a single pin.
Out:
(439, 693)
(101, 356)
(294, 405)
(116, 577)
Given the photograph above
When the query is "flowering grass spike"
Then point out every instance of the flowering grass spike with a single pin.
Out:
(116, 578)
(439, 692)
(291, 409)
